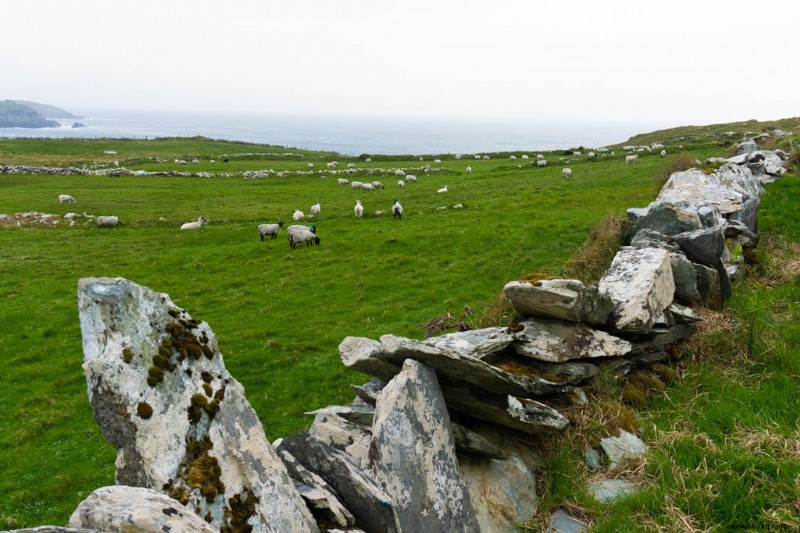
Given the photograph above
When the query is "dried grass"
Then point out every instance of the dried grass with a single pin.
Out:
(763, 442)
(593, 259)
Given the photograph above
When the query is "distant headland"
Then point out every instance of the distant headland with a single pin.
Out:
(24, 114)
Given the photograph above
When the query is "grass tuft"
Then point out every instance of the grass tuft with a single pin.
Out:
(595, 257)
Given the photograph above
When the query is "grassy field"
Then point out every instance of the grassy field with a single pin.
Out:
(279, 314)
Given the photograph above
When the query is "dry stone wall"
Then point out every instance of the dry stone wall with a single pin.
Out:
(439, 438)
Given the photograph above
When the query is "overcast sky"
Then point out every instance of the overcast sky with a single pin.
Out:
(677, 61)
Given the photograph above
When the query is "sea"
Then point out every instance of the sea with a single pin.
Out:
(347, 135)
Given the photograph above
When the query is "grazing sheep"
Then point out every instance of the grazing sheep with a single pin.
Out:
(311, 165)
(525, 156)
(368, 160)
(65, 198)
(351, 165)
(357, 185)
(486, 157)
(576, 153)
(193, 225)
(107, 222)
(411, 177)
(399, 172)
(539, 156)
(591, 155)
(631, 159)
(358, 209)
(301, 235)
(437, 161)
(469, 170)
(477, 157)
(541, 163)
(663, 153)
(443, 189)
(315, 209)
(269, 229)
(397, 210)
(298, 215)
(401, 184)
(513, 158)
(566, 173)
(342, 181)
(377, 184)
(368, 187)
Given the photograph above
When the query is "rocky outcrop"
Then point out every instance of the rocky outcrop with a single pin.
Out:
(121, 508)
(179, 421)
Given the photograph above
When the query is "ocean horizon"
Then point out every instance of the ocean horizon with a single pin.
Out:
(347, 135)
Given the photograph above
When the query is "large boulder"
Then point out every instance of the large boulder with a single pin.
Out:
(562, 299)
(179, 421)
(704, 246)
(556, 341)
(136, 509)
(641, 286)
(413, 454)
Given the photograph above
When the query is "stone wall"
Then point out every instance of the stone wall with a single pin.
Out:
(438, 439)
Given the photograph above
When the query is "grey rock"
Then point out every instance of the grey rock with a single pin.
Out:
(640, 285)
(557, 341)
(667, 219)
(649, 358)
(608, 490)
(684, 314)
(450, 366)
(518, 413)
(195, 415)
(617, 367)
(739, 231)
(122, 508)
(625, 446)
(371, 506)
(503, 493)
(474, 343)
(369, 391)
(709, 216)
(563, 299)
(469, 442)
(357, 414)
(747, 213)
(685, 277)
(52, 529)
(413, 454)
(318, 495)
(563, 522)
(746, 147)
(659, 338)
(335, 431)
(572, 372)
(592, 458)
(708, 285)
(704, 246)
(365, 355)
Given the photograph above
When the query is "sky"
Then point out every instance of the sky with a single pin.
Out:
(678, 61)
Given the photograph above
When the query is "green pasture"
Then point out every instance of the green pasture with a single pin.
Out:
(279, 314)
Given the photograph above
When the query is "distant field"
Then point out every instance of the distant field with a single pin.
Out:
(279, 314)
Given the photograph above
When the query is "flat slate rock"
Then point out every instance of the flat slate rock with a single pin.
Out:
(562, 299)
(557, 341)
(608, 490)
(473, 343)
(624, 446)
(563, 522)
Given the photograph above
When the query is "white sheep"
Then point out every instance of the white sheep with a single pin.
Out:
(192, 225)
(663, 153)
(358, 209)
(368, 160)
(486, 157)
(591, 155)
(107, 221)
(437, 161)
(566, 173)
(541, 163)
(469, 170)
(539, 156)
(631, 159)
(269, 229)
(443, 189)
(377, 184)
(397, 210)
(351, 165)
(311, 165)
(525, 156)
(411, 177)
(302, 235)
(342, 181)
(356, 185)
(368, 187)
(576, 153)
(315, 209)
(401, 184)
(513, 158)
(298, 215)
(399, 172)
(65, 198)
(477, 157)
